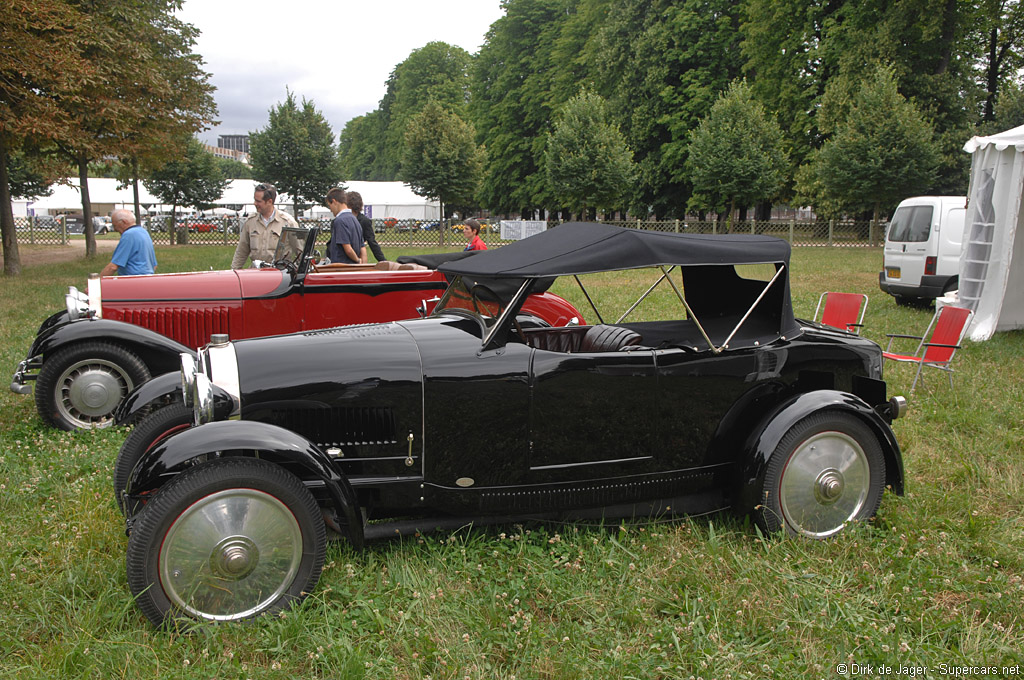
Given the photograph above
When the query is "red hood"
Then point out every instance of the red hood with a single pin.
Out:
(226, 286)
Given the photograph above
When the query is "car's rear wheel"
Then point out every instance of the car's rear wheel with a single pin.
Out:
(80, 386)
(827, 471)
(225, 541)
(152, 429)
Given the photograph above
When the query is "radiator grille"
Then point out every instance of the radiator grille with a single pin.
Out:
(189, 326)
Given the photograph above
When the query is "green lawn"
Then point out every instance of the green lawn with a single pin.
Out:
(936, 581)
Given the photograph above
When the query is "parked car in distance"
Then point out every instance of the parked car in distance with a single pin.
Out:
(921, 260)
(360, 432)
(101, 225)
(125, 329)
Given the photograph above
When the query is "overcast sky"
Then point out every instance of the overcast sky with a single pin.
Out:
(339, 55)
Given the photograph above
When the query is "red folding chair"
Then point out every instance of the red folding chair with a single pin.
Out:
(844, 311)
(944, 333)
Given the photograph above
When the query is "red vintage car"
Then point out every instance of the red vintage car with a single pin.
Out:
(126, 329)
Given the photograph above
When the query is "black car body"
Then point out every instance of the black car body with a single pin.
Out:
(734, 403)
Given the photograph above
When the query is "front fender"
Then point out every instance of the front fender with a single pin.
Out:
(158, 352)
(155, 391)
(767, 435)
(255, 439)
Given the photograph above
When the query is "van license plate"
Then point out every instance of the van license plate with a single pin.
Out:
(892, 272)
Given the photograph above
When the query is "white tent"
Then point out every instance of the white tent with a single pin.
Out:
(380, 199)
(992, 263)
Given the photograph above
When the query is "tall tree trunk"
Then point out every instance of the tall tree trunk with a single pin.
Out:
(83, 182)
(135, 190)
(12, 258)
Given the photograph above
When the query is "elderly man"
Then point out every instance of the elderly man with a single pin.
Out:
(260, 233)
(134, 253)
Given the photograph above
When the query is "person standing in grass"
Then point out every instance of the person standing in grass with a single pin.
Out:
(261, 232)
(134, 253)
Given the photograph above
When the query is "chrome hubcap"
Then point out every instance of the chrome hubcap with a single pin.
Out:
(825, 484)
(89, 391)
(230, 555)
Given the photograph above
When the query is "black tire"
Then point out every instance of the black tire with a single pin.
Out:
(827, 471)
(225, 541)
(80, 386)
(150, 431)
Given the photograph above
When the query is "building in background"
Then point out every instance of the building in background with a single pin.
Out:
(234, 142)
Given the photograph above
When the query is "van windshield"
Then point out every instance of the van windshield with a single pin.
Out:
(911, 223)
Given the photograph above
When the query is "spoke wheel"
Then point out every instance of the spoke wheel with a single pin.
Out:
(80, 386)
(826, 472)
(225, 541)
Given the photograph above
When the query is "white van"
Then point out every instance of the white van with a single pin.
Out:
(922, 247)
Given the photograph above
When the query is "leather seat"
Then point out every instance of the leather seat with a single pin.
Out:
(602, 338)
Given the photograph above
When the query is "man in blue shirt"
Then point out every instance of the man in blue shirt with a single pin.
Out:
(134, 253)
(346, 244)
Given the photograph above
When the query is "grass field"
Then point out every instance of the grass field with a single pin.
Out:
(934, 585)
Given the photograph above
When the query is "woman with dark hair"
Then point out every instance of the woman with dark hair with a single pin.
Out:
(471, 230)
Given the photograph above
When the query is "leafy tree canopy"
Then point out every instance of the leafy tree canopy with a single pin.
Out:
(195, 180)
(882, 152)
(296, 152)
(736, 155)
(587, 161)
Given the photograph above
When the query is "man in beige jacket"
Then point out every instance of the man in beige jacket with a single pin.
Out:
(260, 233)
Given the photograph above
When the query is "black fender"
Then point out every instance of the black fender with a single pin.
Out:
(155, 391)
(766, 436)
(257, 440)
(158, 352)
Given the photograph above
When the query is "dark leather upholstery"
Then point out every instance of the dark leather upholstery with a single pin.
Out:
(599, 338)
(603, 338)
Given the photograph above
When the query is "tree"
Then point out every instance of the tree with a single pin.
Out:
(587, 161)
(193, 181)
(736, 155)
(441, 160)
(24, 181)
(511, 106)
(233, 169)
(150, 91)
(41, 66)
(296, 152)
(661, 65)
(881, 153)
(360, 146)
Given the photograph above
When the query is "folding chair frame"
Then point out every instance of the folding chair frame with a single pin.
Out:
(922, 349)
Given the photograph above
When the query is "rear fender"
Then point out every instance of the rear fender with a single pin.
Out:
(157, 391)
(255, 440)
(766, 436)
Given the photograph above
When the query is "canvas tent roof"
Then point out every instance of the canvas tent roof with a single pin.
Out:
(992, 261)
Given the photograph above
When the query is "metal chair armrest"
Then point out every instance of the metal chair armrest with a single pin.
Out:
(939, 344)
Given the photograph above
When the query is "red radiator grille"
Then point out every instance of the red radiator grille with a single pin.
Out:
(191, 327)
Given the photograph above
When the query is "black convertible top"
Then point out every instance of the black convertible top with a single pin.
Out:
(584, 248)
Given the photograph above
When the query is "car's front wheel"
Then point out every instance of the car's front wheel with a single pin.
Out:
(225, 541)
(152, 429)
(80, 386)
(827, 471)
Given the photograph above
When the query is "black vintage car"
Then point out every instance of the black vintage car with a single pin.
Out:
(732, 403)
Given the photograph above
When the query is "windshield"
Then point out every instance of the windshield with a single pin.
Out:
(290, 247)
(468, 297)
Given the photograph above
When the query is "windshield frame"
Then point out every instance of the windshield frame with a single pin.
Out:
(300, 263)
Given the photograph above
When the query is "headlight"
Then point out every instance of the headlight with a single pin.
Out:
(188, 378)
(77, 304)
(216, 371)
